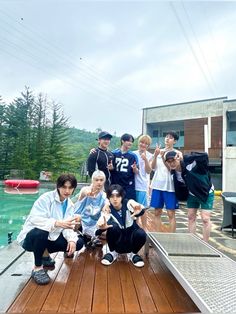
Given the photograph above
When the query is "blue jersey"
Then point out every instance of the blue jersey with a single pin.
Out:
(123, 172)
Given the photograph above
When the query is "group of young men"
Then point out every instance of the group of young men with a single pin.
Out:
(117, 197)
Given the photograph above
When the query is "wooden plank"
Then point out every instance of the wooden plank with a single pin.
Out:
(115, 298)
(85, 296)
(131, 302)
(69, 298)
(176, 295)
(25, 297)
(53, 299)
(161, 302)
(22, 299)
(144, 296)
(37, 300)
(100, 296)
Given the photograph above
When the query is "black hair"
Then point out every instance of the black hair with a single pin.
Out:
(66, 178)
(118, 188)
(126, 137)
(174, 134)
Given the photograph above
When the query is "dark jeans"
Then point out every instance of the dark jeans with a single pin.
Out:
(125, 240)
(36, 241)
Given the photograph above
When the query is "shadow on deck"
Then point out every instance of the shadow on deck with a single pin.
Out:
(84, 285)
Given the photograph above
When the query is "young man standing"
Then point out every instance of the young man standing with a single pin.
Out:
(125, 166)
(142, 178)
(101, 158)
(162, 185)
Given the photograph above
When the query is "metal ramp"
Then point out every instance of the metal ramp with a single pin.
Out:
(207, 275)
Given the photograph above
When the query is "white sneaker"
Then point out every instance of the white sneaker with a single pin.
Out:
(136, 260)
(109, 258)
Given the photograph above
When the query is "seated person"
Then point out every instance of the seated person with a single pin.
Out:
(89, 204)
(49, 227)
(123, 233)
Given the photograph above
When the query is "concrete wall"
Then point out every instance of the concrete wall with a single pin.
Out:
(229, 153)
(183, 111)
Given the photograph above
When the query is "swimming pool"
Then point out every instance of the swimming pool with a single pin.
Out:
(14, 209)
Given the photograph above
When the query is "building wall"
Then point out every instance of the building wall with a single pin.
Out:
(183, 111)
(194, 134)
(229, 153)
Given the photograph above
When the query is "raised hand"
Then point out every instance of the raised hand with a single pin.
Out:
(92, 151)
(134, 167)
(143, 156)
(157, 150)
(102, 223)
(68, 223)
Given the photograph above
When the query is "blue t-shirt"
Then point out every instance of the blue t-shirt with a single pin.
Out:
(90, 208)
(123, 172)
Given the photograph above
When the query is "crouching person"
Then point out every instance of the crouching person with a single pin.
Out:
(123, 233)
(88, 205)
(49, 227)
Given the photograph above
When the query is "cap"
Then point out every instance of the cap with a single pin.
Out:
(170, 155)
(104, 134)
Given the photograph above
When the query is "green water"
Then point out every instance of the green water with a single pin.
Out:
(14, 209)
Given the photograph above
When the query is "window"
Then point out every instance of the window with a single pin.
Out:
(231, 128)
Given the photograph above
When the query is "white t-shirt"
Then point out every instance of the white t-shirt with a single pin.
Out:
(162, 179)
(142, 178)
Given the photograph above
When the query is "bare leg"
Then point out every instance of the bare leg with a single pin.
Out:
(172, 220)
(192, 216)
(158, 213)
(206, 228)
(143, 219)
(45, 253)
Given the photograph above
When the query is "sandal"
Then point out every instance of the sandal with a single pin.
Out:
(40, 277)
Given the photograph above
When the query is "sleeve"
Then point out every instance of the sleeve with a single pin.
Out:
(69, 234)
(91, 162)
(40, 215)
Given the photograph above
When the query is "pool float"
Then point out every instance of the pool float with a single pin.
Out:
(21, 183)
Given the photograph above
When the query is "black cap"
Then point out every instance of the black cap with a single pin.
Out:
(104, 134)
(170, 155)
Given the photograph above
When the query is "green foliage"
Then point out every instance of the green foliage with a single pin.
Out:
(34, 136)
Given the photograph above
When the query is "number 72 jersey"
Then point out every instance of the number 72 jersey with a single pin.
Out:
(123, 172)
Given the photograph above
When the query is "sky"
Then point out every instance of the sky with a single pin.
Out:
(106, 60)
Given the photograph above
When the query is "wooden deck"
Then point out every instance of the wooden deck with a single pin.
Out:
(84, 285)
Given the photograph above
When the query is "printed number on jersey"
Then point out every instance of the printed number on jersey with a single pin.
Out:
(122, 164)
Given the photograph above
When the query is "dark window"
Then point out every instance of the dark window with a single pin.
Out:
(231, 128)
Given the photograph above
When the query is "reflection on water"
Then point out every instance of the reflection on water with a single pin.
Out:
(11, 190)
(15, 205)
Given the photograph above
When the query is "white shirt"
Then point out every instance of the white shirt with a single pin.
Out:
(43, 215)
(162, 179)
(142, 177)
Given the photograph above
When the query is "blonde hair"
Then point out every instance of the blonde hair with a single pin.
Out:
(146, 139)
(98, 173)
